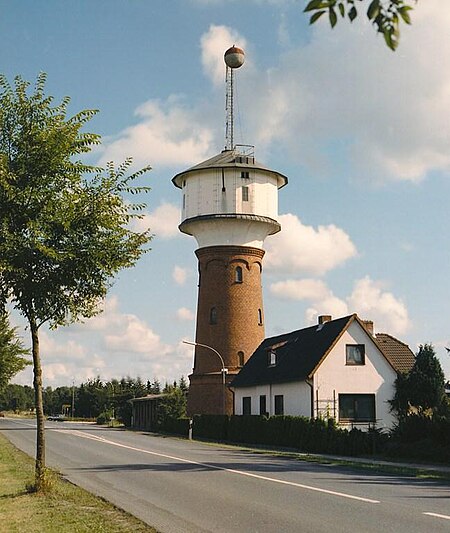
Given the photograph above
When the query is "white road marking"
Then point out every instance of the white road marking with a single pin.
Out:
(215, 467)
(444, 516)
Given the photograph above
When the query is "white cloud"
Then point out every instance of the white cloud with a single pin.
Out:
(163, 221)
(168, 134)
(301, 248)
(312, 290)
(185, 314)
(371, 301)
(368, 300)
(111, 345)
(135, 336)
(214, 43)
(386, 109)
(179, 275)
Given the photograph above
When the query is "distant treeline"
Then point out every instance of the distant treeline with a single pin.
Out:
(89, 399)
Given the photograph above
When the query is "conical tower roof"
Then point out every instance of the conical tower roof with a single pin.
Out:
(229, 159)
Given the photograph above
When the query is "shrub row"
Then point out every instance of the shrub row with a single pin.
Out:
(301, 433)
(175, 426)
(422, 438)
(416, 437)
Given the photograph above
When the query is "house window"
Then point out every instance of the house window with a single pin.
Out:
(279, 404)
(355, 354)
(213, 315)
(238, 275)
(245, 174)
(357, 407)
(260, 317)
(247, 405)
(240, 358)
(245, 194)
(262, 405)
(272, 358)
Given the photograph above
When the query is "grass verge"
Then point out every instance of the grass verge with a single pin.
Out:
(66, 508)
(376, 466)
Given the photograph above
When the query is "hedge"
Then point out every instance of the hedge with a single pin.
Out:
(175, 426)
(301, 433)
(416, 437)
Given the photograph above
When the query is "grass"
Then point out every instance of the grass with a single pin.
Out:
(365, 464)
(64, 508)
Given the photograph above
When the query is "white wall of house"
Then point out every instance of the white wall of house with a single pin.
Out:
(296, 398)
(334, 376)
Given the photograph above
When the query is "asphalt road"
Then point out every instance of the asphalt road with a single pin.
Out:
(181, 486)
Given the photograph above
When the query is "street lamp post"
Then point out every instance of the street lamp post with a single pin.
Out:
(73, 399)
(224, 369)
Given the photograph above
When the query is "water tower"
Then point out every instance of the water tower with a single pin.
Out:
(230, 205)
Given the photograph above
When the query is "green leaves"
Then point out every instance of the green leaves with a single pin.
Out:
(64, 225)
(12, 352)
(384, 14)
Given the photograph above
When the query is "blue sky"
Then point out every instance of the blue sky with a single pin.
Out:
(362, 134)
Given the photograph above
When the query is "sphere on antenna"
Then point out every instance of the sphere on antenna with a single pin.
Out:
(234, 57)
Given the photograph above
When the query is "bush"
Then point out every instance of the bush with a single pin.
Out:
(301, 433)
(175, 426)
(103, 418)
(421, 438)
(214, 427)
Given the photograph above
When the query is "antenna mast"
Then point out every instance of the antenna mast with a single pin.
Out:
(234, 58)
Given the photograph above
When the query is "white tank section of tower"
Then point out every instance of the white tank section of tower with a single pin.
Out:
(230, 199)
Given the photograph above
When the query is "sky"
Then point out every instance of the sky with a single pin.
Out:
(362, 134)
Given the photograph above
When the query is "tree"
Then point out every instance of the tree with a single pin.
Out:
(385, 15)
(16, 397)
(12, 352)
(64, 225)
(422, 387)
(171, 406)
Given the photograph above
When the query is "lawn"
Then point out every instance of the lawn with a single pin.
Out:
(65, 508)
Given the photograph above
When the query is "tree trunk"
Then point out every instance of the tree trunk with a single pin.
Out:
(37, 382)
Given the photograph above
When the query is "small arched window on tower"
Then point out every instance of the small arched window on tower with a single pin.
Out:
(240, 358)
(238, 276)
(213, 315)
(260, 317)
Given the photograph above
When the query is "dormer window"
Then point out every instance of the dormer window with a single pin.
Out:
(272, 358)
(355, 354)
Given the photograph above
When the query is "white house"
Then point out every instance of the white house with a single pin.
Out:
(335, 369)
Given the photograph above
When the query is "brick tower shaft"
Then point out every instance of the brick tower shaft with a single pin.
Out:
(230, 319)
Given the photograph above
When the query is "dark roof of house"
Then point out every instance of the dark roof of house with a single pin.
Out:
(398, 353)
(298, 354)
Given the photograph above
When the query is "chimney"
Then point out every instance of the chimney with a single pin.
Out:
(324, 318)
(368, 324)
